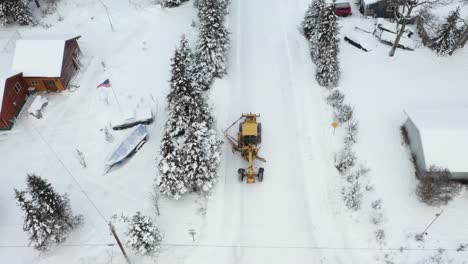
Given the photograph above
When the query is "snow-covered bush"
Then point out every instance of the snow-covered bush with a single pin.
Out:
(48, 216)
(351, 130)
(352, 194)
(435, 187)
(380, 235)
(345, 160)
(15, 11)
(173, 3)
(344, 113)
(447, 34)
(326, 45)
(335, 99)
(142, 235)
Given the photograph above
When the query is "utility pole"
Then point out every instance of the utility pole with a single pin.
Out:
(111, 226)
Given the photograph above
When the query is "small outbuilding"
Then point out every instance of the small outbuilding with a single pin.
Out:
(439, 137)
(377, 8)
(36, 65)
(47, 64)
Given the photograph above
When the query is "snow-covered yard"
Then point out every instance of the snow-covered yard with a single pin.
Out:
(297, 214)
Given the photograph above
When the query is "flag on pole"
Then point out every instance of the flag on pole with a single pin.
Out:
(106, 84)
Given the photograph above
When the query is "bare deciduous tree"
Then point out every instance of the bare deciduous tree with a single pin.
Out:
(405, 11)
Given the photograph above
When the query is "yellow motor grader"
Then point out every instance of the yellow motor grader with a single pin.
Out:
(248, 139)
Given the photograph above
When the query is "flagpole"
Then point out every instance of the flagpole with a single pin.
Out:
(117, 100)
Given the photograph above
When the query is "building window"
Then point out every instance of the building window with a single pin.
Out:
(17, 88)
(34, 83)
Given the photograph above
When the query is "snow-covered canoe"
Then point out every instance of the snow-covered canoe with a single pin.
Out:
(130, 144)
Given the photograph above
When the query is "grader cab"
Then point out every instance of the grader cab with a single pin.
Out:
(247, 143)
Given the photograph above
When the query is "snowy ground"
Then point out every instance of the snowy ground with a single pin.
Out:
(297, 213)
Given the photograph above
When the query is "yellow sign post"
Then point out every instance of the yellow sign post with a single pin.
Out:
(334, 125)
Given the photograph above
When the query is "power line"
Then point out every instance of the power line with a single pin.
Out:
(309, 247)
(62, 245)
(278, 247)
(69, 173)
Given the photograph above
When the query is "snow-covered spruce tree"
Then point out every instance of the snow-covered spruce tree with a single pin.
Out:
(34, 224)
(202, 157)
(173, 3)
(326, 41)
(48, 215)
(172, 182)
(309, 24)
(213, 42)
(12, 11)
(447, 34)
(143, 236)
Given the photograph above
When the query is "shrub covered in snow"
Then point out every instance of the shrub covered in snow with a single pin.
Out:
(435, 187)
(352, 194)
(351, 130)
(173, 3)
(335, 99)
(15, 11)
(142, 235)
(344, 113)
(48, 216)
(447, 34)
(345, 160)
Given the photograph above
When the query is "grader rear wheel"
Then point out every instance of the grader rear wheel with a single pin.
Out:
(260, 174)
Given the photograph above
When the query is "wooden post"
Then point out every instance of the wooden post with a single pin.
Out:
(111, 226)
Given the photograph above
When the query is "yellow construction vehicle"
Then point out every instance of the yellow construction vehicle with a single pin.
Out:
(248, 139)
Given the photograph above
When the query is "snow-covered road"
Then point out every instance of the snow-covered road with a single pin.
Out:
(291, 214)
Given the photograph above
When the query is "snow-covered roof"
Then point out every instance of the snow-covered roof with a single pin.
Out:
(39, 57)
(370, 2)
(404, 41)
(444, 136)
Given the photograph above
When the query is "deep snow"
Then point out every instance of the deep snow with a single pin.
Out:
(297, 213)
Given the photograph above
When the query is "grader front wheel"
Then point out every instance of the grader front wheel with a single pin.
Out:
(241, 174)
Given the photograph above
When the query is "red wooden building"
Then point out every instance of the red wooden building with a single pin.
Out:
(38, 65)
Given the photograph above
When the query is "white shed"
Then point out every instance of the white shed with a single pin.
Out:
(440, 137)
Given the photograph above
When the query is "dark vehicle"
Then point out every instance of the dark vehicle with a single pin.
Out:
(343, 9)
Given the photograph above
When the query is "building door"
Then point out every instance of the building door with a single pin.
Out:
(50, 85)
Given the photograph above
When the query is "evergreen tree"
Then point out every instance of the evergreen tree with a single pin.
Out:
(326, 40)
(143, 236)
(172, 181)
(189, 155)
(15, 11)
(48, 215)
(311, 27)
(202, 157)
(447, 34)
(213, 42)
(311, 17)
(173, 3)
